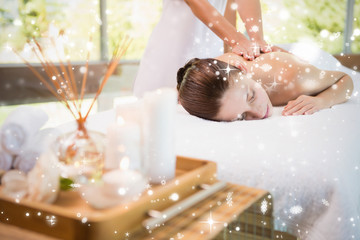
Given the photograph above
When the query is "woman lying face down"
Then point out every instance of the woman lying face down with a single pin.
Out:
(229, 88)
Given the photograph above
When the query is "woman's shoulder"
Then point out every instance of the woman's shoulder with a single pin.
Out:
(274, 61)
(227, 56)
(271, 57)
(232, 59)
(278, 57)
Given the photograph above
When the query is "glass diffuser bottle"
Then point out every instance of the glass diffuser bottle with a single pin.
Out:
(80, 151)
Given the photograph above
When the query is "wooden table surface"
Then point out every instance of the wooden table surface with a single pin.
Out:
(9, 232)
(225, 207)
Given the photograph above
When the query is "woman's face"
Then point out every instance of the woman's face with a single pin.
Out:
(244, 100)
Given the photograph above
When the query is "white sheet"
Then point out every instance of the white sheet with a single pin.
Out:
(310, 164)
(306, 162)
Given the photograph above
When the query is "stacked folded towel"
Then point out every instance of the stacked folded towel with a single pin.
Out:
(6, 160)
(33, 149)
(19, 134)
(27, 149)
(20, 125)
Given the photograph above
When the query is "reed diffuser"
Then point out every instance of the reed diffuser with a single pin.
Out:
(81, 151)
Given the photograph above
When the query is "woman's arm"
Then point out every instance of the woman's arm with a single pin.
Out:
(250, 14)
(204, 11)
(338, 92)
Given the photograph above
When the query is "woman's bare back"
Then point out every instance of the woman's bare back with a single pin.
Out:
(284, 76)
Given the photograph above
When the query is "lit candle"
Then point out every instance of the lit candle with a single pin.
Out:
(118, 187)
(159, 137)
(123, 142)
(123, 183)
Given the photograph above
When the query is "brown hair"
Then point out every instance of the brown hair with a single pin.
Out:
(202, 84)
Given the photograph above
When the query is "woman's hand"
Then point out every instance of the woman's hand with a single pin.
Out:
(245, 48)
(262, 46)
(303, 105)
(251, 50)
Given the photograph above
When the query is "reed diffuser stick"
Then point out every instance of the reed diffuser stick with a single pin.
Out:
(118, 53)
(61, 82)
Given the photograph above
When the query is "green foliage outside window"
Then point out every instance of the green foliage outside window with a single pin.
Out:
(136, 18)
(319, 21)
(33, 18)
(355, 47)
(24, 19)
(29, 19)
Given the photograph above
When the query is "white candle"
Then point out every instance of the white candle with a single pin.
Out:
(130, 110)
(123, 143)
(159, 138)
(123, 183)
(117, 187)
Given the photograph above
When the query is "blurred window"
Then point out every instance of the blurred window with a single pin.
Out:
(320, 22)
(71, 23)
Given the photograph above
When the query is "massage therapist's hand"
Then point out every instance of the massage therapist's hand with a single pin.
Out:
(244, 48)
(262, 46)
(303, 105)
(251, 50)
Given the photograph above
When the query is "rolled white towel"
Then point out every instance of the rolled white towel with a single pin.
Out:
(43, 179)
(26, 160)
(19, 126)
(41, 184)
(6, 160)
(14, 184)
(33, 149)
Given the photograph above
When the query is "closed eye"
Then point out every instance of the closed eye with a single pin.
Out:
(253, 96)
(250, 98)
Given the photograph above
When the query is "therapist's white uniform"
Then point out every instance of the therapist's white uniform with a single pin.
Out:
(178, 37)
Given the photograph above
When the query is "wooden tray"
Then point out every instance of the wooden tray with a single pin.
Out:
(71, 218)
(236, 212)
